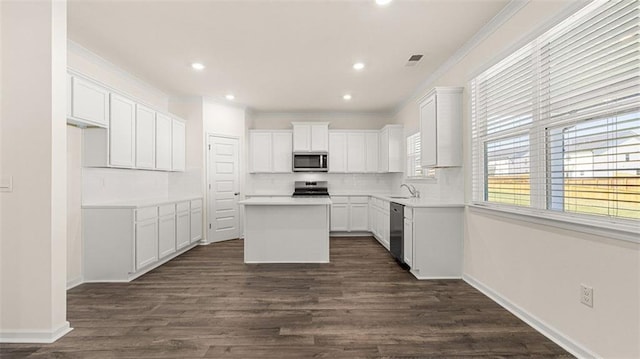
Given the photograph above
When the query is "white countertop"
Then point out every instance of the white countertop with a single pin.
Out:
(139, 203)
(286, 201)
(390, 197)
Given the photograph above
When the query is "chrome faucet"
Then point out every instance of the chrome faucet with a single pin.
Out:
(412, 190)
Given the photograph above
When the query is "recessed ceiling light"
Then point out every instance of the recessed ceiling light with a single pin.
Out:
(230, 97)
(358, 66)
(347, 97)
(383, 2)
(197, 66)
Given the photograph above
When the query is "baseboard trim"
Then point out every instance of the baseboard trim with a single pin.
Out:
(74, 283)
(548, 331)
(34, 336)
(350, 234)
(421, 277)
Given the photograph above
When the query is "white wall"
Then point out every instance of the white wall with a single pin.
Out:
(98, 68)
(191, 181)
(536, 268)
(33, 139)
(74, 203)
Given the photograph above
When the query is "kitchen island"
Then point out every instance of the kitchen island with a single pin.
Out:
(286, 230)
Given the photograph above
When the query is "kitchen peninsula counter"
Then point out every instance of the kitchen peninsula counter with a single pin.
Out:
(286, 230)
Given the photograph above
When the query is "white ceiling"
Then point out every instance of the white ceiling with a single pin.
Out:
(281, 55)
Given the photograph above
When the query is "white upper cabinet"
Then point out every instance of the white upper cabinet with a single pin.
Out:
(441, 128)
(282, 152)
(270, 151)
(371, 145)
(353, 151)
(261, 148)
(163, 142)
(89, 103)
(356, 152)
(391, 148)
(178, 141)
(122, 132)
(145, 137)
(310, 136)
(337, 152)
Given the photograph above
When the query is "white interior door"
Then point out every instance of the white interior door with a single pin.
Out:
(223, 189)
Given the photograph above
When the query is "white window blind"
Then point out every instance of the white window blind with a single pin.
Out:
(414, 169)
(556, 125)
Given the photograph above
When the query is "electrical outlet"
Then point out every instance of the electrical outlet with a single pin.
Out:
(586, 295)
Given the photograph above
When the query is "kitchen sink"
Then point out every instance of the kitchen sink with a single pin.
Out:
(400, 197)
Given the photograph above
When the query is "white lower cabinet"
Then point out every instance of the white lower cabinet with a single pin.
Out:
(437, 242)
(122, 242)
(183, 225)
(408, 241)
(349, 213)
(196, 220)
(146, 242)
(167, 230)
(380, 220)
(340, 215)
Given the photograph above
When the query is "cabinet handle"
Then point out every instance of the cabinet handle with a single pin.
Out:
(237, 193)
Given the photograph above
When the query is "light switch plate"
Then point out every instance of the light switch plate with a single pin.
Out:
(6, 183)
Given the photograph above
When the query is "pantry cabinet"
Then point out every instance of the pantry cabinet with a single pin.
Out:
(87, 103)
(145, 137)
(441, 128)
(310, 136)
(270, 151)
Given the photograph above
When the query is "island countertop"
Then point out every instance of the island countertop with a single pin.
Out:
(286, 201)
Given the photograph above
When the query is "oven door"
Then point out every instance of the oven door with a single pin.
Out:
(310, 162)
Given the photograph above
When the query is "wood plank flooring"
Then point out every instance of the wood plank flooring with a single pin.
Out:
(208, 304)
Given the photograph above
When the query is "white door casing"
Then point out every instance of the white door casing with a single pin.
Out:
(223, 185)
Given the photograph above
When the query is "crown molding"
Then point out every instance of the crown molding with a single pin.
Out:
(82, 51)
(489, 28)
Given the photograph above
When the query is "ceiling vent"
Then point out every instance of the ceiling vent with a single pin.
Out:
(413, 60)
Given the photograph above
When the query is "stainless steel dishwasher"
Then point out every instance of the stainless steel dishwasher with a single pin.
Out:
(396, 229)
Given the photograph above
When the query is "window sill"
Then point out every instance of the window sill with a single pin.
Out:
(629, 232)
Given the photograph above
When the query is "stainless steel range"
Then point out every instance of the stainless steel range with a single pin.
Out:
(311, 189)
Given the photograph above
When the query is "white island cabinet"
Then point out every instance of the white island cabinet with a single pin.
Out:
(286, 230)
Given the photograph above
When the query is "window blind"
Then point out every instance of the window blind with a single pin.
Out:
(556, 125)
(414, 168)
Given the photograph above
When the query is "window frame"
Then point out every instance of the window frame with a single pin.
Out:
(428, 174)
(540, 210)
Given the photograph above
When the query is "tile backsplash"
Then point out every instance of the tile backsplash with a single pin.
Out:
(283, 183)
(113, 185)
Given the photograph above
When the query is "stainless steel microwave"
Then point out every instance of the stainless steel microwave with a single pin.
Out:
(310, 162)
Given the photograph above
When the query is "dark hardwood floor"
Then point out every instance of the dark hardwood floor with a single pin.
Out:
(208, 304)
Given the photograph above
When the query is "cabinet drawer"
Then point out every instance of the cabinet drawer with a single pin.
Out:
(359, 199)
(408, 213)
(196, 204)
(167, 209)
(339, 199)
(182, 206)
(146, 213)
